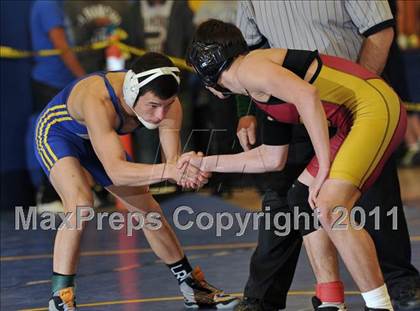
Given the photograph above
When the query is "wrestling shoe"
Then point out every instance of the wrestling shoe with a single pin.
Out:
(248, 304)
(63, 300)
(254, 304)
(405, 296)
(319, 306)
(198, 293)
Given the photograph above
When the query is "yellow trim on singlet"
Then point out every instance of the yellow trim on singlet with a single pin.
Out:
(40, 139)
(40, 148)
(47, 129)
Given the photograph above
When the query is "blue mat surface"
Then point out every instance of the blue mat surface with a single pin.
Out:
(117, 272)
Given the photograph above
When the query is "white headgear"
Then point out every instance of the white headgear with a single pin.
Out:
(132, 87)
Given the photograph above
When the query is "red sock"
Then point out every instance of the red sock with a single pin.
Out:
(330, 292)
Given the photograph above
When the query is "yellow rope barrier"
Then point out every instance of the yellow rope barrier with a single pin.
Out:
(179, 62)
(9, 52)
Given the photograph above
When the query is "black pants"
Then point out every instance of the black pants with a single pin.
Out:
(274, 260)
(393, 246)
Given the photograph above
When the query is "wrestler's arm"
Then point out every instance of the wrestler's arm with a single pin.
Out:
(99, 119)
(270, 156)
(270, 78)
(261, 159)
(169, 133)
(169, 136)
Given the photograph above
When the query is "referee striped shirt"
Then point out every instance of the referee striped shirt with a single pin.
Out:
(331, 27)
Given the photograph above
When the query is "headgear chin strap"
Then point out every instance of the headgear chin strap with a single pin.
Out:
(132, 87)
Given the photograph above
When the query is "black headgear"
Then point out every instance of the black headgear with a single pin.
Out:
(209, 60)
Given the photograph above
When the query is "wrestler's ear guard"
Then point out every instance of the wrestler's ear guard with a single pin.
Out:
(132, 85)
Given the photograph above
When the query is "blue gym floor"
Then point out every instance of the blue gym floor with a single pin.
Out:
(117, 272)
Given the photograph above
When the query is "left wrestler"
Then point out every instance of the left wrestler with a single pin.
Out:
(76, 138)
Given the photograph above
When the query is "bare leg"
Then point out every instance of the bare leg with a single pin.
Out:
(321, 251)
(163, 241)
(166, 246)
(70, 182)
(356, 247)
(322, 256)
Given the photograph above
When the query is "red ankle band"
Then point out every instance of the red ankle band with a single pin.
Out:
(330, 292)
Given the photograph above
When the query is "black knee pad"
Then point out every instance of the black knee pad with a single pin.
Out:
(303, 214)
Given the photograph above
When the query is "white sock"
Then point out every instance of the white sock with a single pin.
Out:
(378, 298)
